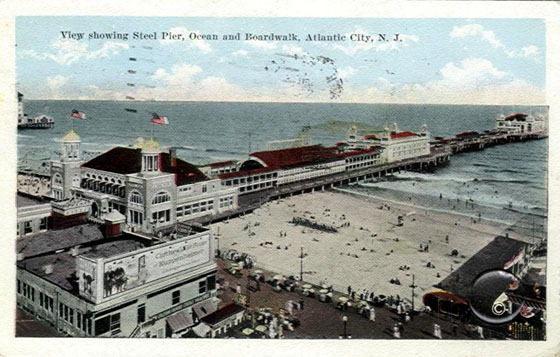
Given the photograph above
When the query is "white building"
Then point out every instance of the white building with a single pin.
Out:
(520, 123)
(88, 280)
(153, 189)
(397, 145)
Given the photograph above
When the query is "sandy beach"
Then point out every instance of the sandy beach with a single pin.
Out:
(369, 247)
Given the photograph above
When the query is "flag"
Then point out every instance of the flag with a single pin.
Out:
(515, 259)
(159, 119)
(77, 115)
(527, 312)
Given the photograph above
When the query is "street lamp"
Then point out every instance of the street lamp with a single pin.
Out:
(301, 265)
(344, 323)
(412, 286)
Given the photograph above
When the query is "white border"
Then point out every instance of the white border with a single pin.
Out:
(550, 11)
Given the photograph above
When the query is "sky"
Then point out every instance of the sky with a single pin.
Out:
(434, 61)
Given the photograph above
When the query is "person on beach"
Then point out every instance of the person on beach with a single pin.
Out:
(372, 314)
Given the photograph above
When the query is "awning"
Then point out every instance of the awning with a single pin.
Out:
(204, 308)
(201, 329)
(180, 321)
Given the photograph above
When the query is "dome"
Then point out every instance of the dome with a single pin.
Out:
(71, 136)
(150, 145)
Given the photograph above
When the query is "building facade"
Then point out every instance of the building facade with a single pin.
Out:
(520, 123)
(104, 283)
(153, 189)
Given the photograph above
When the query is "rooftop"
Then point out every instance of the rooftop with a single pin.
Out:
(493, 256)
(64, 263)
(222, 313)
(51, 241)
(71, 136)
(124, 160)
(27, 201)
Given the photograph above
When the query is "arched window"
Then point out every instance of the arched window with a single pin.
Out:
(161, 197)
(57, 179)
(136, 197)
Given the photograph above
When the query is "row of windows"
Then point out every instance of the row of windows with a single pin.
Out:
(197, 207)
(103, 178)
(44, 224)
(161, 197)
(103, 187)
(66, 313)
(255, 178)
(161, 216)
(46, 302)
(150, 163)
(226, 202)
(26, 290)
(135, 197)
(256, 187)
(361, 158)
(360, 165)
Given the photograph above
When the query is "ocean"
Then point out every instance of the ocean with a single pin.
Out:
(509, 176)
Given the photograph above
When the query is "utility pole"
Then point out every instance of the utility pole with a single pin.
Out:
(412, 287)
(301, 265)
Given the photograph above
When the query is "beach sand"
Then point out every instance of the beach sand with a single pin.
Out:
(345, 258)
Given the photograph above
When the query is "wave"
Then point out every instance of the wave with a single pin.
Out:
(25, 136)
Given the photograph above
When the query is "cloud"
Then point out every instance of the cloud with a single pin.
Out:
(66, 52)
(472, 81)
(346, 72)
(378, 46)
(56, 82)
(201, 45)
(293, 50)
(240, 53)
(263, 45)
(478, 31)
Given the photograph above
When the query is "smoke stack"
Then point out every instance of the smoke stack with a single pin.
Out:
(173, 157)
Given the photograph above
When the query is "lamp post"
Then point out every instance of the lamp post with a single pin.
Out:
(412, 286)
(344, 323)
(301, 265)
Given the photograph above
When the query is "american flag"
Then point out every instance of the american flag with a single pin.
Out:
(159, 119)
(515, 259)
(77, 115)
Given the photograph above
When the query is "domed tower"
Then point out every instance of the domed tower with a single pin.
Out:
(65, 174)
(150, 156)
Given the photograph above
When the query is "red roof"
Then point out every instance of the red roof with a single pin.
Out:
(445, 295)
(370, 136)
(516, 116)
(295, 156)
(402, 134)
(467, 133)
(222, 313)
(123, 160)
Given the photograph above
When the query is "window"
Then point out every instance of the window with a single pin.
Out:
(19, 286)
(202, 286)
(211, 282)
(161, 197)
(136, 197)
(141, 315)
(27, 227)
(108, 323)
(205, 188)
(176, 297)
(43, 223)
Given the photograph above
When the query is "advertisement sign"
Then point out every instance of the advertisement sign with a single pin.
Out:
(145, 266)
(87, 279)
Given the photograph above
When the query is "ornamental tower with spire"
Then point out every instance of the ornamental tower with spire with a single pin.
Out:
(65, 173)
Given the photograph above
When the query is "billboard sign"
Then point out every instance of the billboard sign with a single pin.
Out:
(148, 265)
